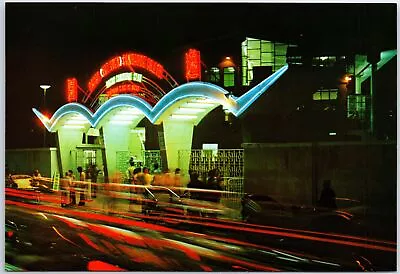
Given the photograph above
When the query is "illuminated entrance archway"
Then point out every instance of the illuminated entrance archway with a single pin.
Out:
(178, 111)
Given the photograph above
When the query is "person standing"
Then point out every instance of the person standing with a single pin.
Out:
(72, 192)
(214, 183)
(94, 171)
(36, 177)
(328, 196)
(130, 172)
(195, 183)
(65, 182)
(82, 186)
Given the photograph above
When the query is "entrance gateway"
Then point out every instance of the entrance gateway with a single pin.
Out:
(106, 132)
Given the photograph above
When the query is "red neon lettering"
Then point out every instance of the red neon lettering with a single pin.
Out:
(94, 81)
(193, 65)
(159, 71)
(72, 90)
(125, 60)
(124, 88)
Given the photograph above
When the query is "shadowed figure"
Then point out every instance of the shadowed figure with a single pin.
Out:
(328, 196)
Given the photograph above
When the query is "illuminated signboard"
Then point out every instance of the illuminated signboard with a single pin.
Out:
(123, 88)
(126, 60)
(127, 76)
(193, 65)
(72, 90)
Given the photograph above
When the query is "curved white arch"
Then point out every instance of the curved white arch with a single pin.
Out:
(170, 101)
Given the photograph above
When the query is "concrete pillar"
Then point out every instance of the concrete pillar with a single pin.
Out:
(120, 137)
(136, 146)
(178, 136)
(116, 138)
(68, 139)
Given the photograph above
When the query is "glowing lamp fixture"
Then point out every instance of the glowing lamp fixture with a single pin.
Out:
(347, 78)
(45, 118)
(45, 87)
(332, 133)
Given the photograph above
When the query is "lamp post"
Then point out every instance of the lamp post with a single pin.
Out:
(44, 87)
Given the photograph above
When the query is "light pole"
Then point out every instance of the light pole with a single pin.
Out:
(44, 87)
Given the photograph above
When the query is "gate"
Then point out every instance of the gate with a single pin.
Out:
(229, 163)
(151, 157)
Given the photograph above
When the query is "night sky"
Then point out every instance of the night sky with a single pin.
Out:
(45, 43)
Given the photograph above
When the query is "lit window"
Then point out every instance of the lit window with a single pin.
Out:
(214, 75)
(325, 95)
(260, 53)
(229, 77)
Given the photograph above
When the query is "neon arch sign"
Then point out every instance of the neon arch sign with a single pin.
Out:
(126, 60)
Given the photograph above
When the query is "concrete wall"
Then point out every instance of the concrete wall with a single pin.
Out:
(25, 161)
(294, 173)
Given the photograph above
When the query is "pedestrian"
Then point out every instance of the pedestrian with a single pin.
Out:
(328, 196)
(65, 182)
(94, 172)
(195, 183)
(167, 179)
(157, 175)
(72, 191)
(130, 171)
(82, 186)
(177, 177)
(214, 183)
(135, 192)
(36, 177)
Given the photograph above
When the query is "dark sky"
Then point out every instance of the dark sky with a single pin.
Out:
(48, 42)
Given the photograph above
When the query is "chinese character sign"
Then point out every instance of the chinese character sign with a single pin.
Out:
(72, 90)
(193, 65)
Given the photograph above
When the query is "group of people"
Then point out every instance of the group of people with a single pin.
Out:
(214, 182)
(141, 176)
(70, 188)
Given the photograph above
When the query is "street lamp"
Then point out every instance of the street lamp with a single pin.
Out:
(45, 88)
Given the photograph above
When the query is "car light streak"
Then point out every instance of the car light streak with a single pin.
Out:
(289, 255)
(288, 259)
(235, 223)
(206, 268)
(34, 197)
(188, 249)
(234, 228)
(93, 216)
(92, 244)
(142, 256)
(102, 266)
(64, 238)
(41, 214)
(292, 235)
(248, 264)
(322, 262)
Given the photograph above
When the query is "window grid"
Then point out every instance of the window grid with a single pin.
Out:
(256, 52)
